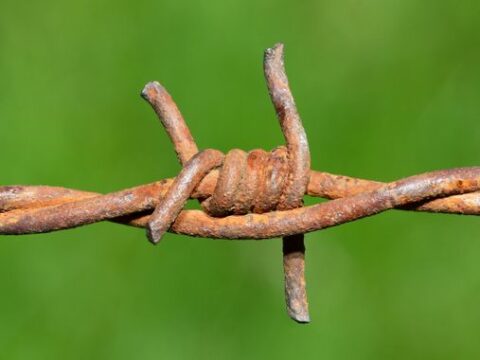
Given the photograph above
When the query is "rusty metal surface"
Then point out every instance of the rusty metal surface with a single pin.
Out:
(177, 195)
(172, 120)
(321, 184)
(298, 155)
(244, 195)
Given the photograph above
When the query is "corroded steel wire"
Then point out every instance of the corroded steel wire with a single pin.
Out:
(298, 159)
(431, 192)
(254, 195)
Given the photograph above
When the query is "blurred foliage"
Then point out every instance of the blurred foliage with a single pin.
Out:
(386, 89)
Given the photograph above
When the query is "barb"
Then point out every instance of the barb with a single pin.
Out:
(254, 195)
(297, 180)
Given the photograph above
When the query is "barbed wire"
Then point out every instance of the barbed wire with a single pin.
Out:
(254, 195)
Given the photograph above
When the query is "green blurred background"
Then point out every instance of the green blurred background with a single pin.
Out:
(386, 89)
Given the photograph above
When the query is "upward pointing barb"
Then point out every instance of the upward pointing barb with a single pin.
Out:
(172, 120)
(292, 127)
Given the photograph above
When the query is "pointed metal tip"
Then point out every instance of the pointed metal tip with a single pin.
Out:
(152, 86)
(301, 318)
(279, 46)
(153, 236)
(275, 49)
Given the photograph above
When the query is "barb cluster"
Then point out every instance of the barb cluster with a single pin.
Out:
(254, 195)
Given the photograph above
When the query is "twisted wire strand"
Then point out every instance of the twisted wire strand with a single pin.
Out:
(254, 195)
(43, 209)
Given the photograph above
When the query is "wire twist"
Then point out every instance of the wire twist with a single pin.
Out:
(256, 195)
(256, 182)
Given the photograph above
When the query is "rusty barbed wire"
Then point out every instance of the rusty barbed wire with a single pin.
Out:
(254, 195)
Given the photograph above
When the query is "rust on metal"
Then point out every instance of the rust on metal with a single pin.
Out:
(280, 177)
(172, 120)
(454, 191)
(296, 183)
(177, 195)
(244, 195)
